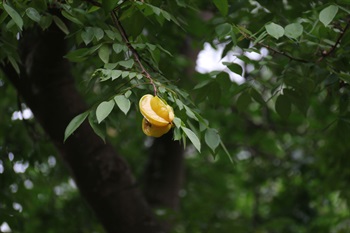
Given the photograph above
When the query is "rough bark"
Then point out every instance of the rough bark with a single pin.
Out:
(102, 176)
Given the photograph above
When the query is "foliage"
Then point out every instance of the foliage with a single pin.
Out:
(286, 124)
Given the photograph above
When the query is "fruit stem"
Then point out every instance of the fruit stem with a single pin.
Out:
(132, 50)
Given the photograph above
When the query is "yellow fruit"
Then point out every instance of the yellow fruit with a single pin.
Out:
(171, 113)
(163, 110)
(149, 113)
(156, 111)
(153, 130)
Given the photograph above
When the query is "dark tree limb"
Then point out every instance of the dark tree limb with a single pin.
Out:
(102, 176)
(326, 53)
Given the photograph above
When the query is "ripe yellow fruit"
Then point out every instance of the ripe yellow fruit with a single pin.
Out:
(158, 116)
(153, 130)
(156, 111)
(163, 110)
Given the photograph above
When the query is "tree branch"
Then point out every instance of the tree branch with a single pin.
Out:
(283, 53)
(137, 57)
(274, 50)
(132, 49)
(326, 53)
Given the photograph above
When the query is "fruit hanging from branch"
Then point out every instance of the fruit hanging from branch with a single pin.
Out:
(158, 115)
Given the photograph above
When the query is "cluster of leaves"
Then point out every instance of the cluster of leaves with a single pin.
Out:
(125, 82)
(306, 41)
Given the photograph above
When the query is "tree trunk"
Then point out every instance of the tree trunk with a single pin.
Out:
(164, 173)
(102, 176)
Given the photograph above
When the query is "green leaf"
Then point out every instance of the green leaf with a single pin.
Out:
(134, 29)
(45, 21)
(74, 124)
(60, 24)
(71, 18)
(257, 96)
(116, 74)
(123, 103)
(234, 67)
(177, 134)
(33, 14)
(293, 30)
(203, 83)
(179, 104)
(113, 35)
(226, 151)
(243, 102)
(110, 66)
(14, 15)
(14, 64)
(151, 46)
(283, 106)
(327, 15)
(223, 30)
(138, 46)
(155, 10)
(94, 48)
(106, 74)
(108, 5)
(132, 75)
(261, 37)
(212, 138)
(166, 15)
(78, 55)
(127, 64)
(118, 48)
(193, 138)
(87, 35)
(190, 113)
(128, 94)
(96, 128)
(98, 33)
(125, 74)
(164, 50)
(222, 5)
(103, 53)
(104, 109)
(177, 122)
(274, 30)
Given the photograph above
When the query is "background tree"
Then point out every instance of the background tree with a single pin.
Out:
(284, 125)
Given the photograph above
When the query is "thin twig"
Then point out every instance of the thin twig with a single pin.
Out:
(274, 50)
(283, 53)
(332, 49)
(132, 49)
(135, 54)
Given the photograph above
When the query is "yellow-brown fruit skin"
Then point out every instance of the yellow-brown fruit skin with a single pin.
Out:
(154, 131)
(158, 115)
(161, 109)
(149, 113)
